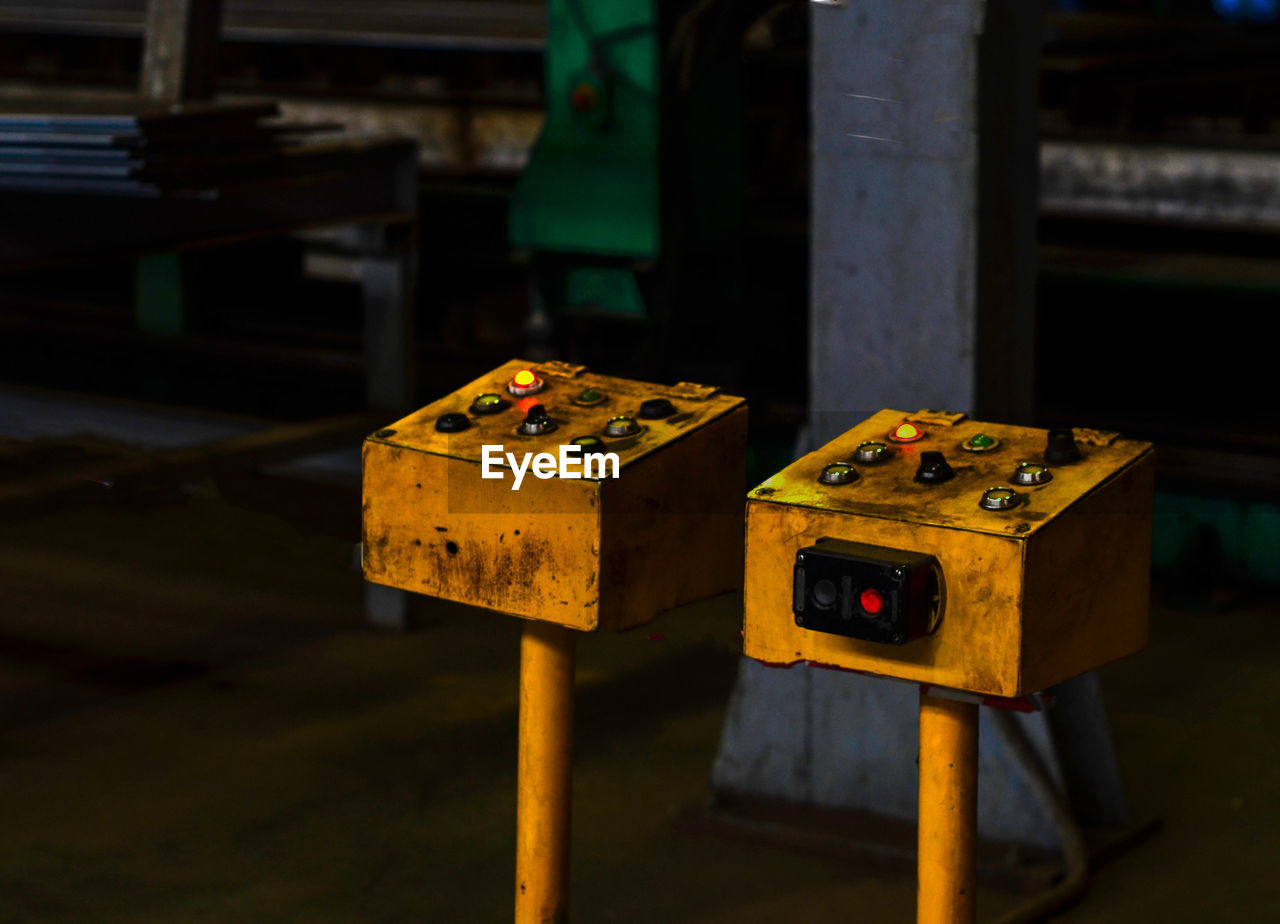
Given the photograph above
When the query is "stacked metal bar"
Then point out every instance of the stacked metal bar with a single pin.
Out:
(138, 149)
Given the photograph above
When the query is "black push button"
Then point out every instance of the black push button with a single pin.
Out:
(656, 409)
(452, 423)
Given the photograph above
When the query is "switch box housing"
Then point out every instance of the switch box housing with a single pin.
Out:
(588, 553)
(1030, 596)
(867, 592)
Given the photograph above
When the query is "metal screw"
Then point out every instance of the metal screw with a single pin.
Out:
(897, 639)
(899, 573)
(799, 620)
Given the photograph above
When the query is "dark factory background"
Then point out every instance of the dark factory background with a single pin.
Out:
(199, 722)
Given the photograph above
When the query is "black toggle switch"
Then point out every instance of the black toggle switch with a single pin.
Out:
(933, 468)
(452, 423)
(536, 422)
(1061, 447)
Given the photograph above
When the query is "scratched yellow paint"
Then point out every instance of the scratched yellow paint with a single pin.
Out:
(587, 554)
(1032, 596)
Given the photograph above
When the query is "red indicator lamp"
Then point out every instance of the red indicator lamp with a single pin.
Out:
(525, 382)
(906, 433)
(871, 601)
(584, 97)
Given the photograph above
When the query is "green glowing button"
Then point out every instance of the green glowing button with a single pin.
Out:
(488, 403)
(589, 396)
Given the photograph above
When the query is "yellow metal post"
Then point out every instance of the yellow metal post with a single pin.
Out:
(545, 774)
(948, 811)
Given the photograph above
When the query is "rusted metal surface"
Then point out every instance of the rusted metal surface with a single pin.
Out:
(1031, 596)
(586, 553)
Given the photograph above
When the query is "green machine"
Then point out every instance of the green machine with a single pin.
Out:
(591, 187)
(631, 204)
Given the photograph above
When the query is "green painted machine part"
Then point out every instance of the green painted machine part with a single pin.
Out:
(591, 184)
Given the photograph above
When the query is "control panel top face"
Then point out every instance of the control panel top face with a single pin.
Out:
(537, 407)
(940, 469)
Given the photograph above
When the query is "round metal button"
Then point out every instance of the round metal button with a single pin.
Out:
(1031, 473)
(871, 451)
(621, 426)
(452, 423)
(488, 403)
(838, 473)
(1000, 498)
(980, 442)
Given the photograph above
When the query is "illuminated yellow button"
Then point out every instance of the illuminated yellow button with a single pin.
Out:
(906, 433)
(525, 382)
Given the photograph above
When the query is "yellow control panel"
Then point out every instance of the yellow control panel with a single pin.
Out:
(983, 557)
(545, 491)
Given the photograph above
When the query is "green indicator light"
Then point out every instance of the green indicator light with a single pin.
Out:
(488, 403)
(981, 441)
(589, 396)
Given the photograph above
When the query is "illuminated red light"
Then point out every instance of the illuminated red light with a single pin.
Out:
(524, 382)
(871, 601)
(906, 433)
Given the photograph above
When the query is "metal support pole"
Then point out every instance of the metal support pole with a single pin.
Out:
(948, 823)
(180, 50)
(545, 774)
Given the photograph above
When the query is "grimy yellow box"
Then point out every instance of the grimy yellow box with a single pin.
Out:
(585, 550)
(930, 547)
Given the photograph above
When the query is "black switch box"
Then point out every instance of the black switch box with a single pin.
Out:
(840, 585)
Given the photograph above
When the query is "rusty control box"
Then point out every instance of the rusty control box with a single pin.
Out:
(607, 544)
(982, 557)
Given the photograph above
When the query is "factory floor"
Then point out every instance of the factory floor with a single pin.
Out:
(195, 725)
